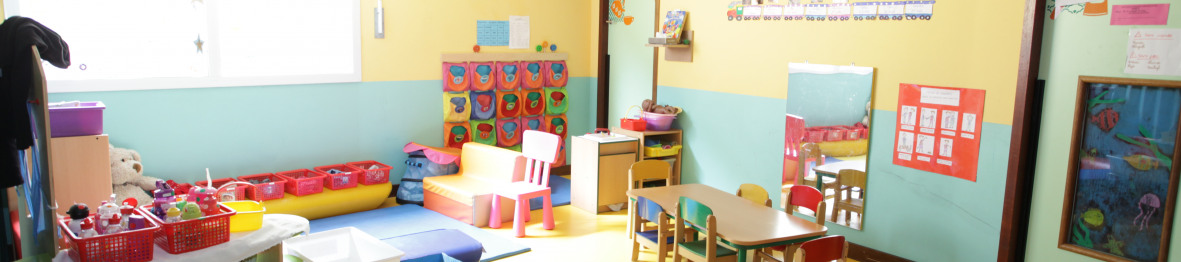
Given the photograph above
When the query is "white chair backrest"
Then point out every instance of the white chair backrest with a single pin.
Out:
(540, 150)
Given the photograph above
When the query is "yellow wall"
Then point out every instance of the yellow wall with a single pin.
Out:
(969, 44)
(417, 32)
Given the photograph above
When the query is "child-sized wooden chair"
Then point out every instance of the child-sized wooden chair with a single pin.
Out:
(639, 173)
(659, 239)
(811, 152)
(754, 193)
(829, 248)
(849, 181)
(540, 150)
(799, 196)
(701, 218)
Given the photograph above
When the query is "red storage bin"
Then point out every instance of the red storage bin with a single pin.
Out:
(179, 188)
(239, 192)
(853, 133)
(372, 176)
(134, 245)
(835, 133)
(815, 134)
(302, 182)
(346, 178)
(267, 186)
(190, 235)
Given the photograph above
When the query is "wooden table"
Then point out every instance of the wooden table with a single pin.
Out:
(832, 169)
(742, 224)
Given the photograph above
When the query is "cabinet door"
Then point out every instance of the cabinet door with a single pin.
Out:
(613, 177)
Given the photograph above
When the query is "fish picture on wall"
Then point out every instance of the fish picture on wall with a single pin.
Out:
(1125, 133)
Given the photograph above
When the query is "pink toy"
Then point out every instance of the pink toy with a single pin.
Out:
(205, 198)
(540, 150)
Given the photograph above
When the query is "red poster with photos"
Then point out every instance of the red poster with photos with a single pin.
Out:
(938, 129)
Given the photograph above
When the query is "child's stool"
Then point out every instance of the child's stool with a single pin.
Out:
(427, 245)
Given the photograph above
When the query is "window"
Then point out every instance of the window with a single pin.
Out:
(161, 44)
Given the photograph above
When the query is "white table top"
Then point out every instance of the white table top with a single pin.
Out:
(275, 229)
(833, 169)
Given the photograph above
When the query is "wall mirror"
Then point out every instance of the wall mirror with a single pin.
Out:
(826, 137)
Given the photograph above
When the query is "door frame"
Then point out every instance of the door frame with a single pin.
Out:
(1023, 140)
(604, 74)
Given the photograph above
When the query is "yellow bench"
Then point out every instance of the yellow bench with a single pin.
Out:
(467, 195)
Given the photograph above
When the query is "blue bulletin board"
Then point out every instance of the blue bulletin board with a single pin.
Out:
(492, 33)
(1122, 179)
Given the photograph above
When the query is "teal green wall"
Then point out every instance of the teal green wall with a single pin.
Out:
(828, 99)
(1074, 45)
(631, 61)
(732, 139)
(238, 131)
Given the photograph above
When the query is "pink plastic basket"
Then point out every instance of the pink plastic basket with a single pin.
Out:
(815, 134)
(658, 122)
(83, 120)
(378, 175)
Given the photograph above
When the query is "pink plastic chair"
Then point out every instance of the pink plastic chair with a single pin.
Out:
(540, 150)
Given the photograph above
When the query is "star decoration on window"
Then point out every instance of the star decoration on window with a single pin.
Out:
(200, 44)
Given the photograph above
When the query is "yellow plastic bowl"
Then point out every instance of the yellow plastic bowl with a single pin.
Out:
(249, 216)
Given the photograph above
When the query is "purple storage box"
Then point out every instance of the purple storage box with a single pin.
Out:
(83, 120)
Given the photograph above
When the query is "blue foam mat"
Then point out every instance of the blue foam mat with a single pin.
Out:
(559, 193)
(408, 219)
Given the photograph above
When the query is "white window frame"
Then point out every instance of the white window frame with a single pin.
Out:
(214, 79)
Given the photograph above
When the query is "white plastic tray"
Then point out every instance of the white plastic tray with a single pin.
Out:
(342, 244)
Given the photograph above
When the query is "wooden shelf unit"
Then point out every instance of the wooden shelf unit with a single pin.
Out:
(670, 136)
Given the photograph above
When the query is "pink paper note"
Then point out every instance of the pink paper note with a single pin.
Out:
(1151, 14)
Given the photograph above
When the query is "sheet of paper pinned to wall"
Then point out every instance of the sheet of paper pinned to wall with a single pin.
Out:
(1151, 14)
(518, 32)
(492, 33)
(1154, 52)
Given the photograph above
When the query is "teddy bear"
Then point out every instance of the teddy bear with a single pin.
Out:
(127, 177)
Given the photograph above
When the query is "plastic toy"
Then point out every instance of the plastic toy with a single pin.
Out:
(173, 215)
(87, 229)
(164, 196)
(538, 48)
(113, 225)
(125, 212)
(136, 222)
(193, 211)
(553, 48)
(476, 48)
(78, 213)
(106, 211)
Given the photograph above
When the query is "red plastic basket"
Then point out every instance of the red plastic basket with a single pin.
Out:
(302, 181)
(264, 189)
(852, 133)
(239, 192)
(374, 176)
(347, 178)
(815, 134)
(191, 235)
(134, 245)
(835, 133)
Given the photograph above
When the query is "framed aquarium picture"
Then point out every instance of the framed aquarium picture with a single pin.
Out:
(1122, 179)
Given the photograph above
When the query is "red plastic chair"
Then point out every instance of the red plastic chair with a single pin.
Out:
(829, 248)
(540, 150)
(804, 196)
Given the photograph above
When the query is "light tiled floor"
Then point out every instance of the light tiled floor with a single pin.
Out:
(577, 236)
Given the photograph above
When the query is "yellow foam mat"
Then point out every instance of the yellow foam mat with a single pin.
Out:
(330, 202)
